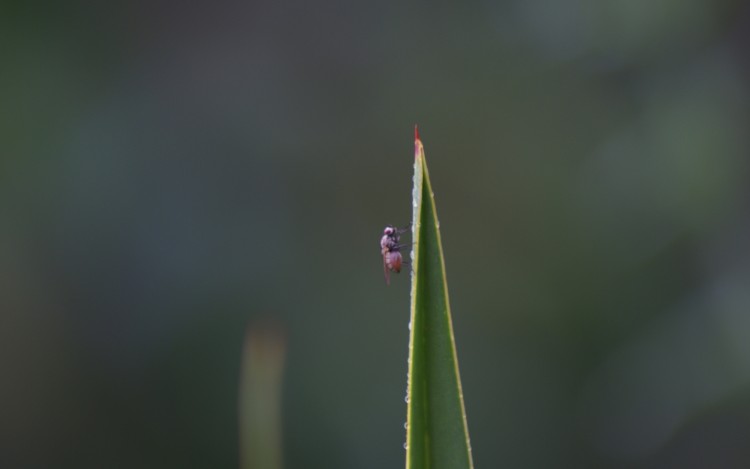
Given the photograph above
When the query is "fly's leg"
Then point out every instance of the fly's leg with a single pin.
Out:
(404, 229)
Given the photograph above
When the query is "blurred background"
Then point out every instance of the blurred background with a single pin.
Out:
(174, 176)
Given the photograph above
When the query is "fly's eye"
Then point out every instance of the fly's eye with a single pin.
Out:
(388, 231)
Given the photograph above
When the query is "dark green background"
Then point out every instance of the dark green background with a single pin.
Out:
(171, 172)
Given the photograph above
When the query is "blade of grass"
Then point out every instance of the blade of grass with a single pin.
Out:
(437, 434)
(260, 398)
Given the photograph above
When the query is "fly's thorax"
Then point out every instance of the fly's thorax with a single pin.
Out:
(389, 242)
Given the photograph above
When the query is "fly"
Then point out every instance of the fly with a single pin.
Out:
(391, 250)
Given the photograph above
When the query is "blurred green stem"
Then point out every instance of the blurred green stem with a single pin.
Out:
(260, 399)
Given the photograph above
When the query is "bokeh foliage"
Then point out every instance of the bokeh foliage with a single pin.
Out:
(170, 172)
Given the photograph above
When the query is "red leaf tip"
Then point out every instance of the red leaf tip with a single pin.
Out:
(416, 132)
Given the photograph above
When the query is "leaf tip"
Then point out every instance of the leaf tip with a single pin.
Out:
(417, 142)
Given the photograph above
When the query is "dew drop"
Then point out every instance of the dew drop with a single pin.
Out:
(409, 325)
(406, 425)
(406, 398)
(406, 446)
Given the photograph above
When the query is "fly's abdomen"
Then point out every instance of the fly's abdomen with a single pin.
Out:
(393, 261)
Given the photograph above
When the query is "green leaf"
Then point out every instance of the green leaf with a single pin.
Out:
(437, 435)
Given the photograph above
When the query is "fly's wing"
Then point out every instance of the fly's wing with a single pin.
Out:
(386, 271)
